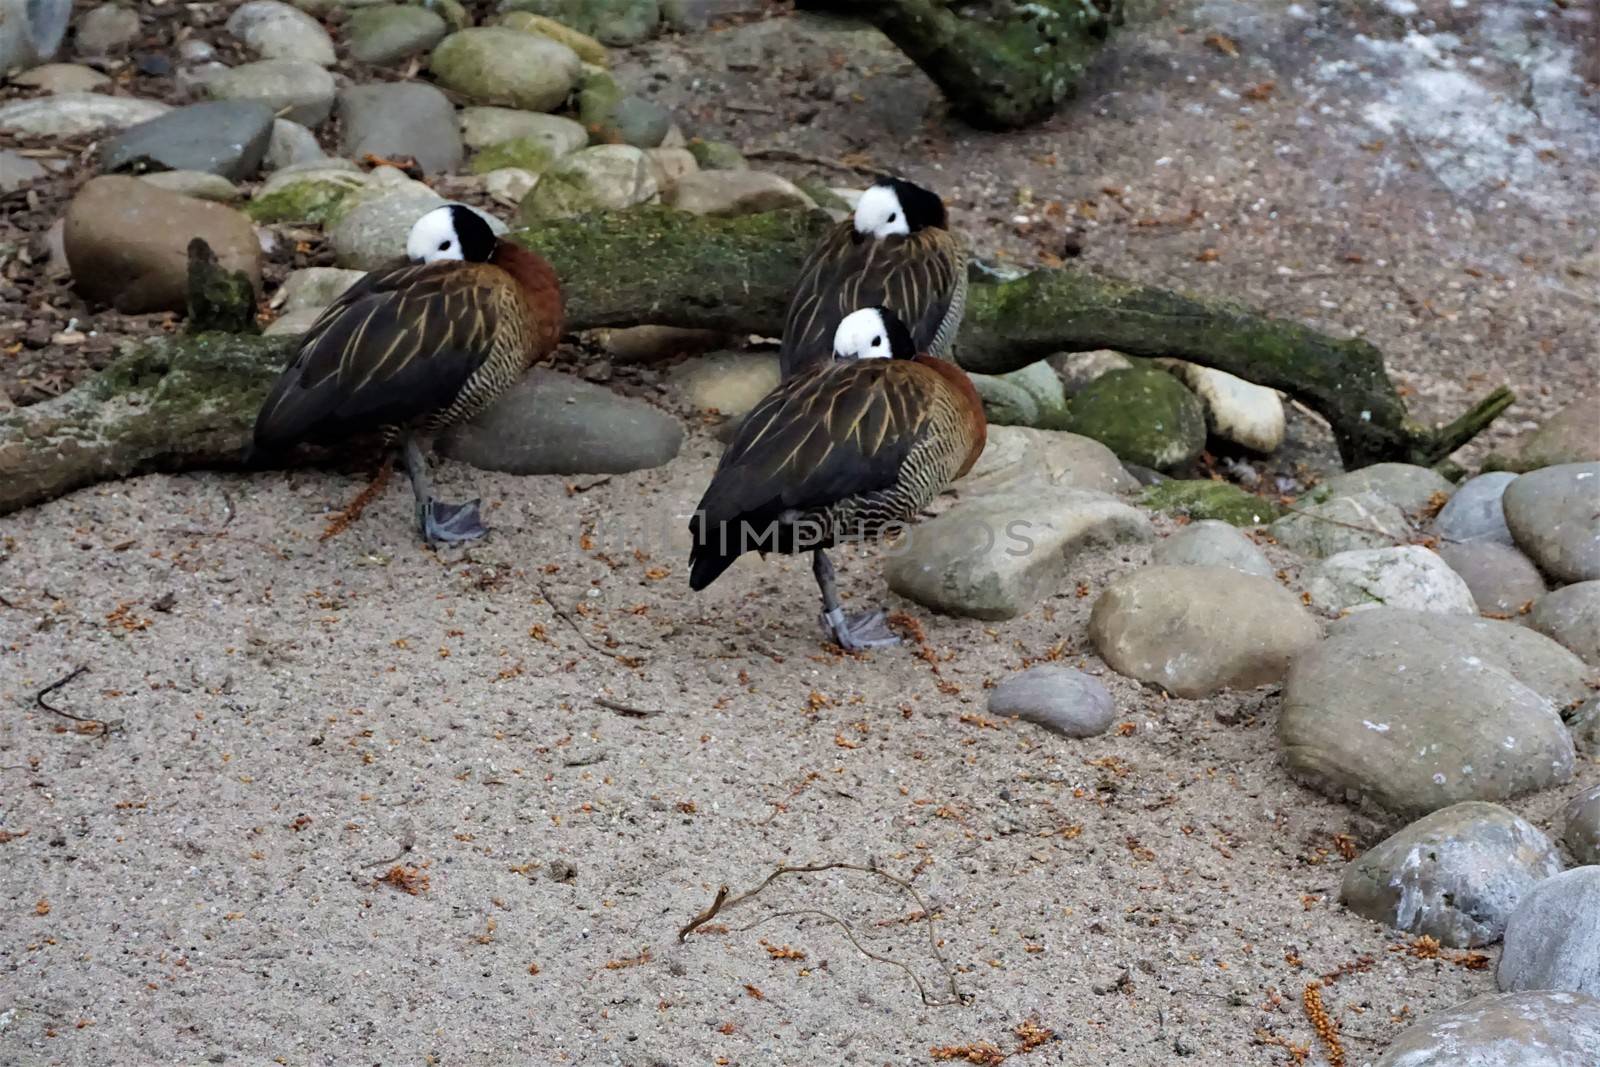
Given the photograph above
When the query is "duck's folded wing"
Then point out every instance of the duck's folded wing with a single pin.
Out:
(834, 433)
(916, 276)
(397, 345)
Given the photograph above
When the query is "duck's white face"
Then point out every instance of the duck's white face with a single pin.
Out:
(879, 213)
(862, 335)
(434, 238)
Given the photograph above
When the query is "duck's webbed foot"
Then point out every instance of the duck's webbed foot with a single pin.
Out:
(451, 524)
(857, 633)
(854, 633)
(441, 523)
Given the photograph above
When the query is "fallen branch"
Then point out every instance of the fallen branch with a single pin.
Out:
(722, 902)
(185, 403)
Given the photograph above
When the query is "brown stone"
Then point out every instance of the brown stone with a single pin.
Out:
(127, 243)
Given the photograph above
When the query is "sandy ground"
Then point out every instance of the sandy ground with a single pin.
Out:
(293, 720)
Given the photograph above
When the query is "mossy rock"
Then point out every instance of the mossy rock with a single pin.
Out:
(319, 201)
(717, 155)
(524, 153)
(613, 22)
(589, 50)
(1145, 416)
(598, 96)
(1202, 500)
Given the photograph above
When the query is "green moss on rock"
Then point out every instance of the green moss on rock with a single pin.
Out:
(1145, 416)
(320, 202)
(526, 153)
(1198, 500)
(717, 155)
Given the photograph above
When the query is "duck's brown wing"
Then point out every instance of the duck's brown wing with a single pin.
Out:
(397, 345)
(920, 276)
(832, 433)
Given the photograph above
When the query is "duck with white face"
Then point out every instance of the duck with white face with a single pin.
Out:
(849, 449)
(897, 251)
(413, 350)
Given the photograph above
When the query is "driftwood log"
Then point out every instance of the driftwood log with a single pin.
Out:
(1000, 64)
(189, 402)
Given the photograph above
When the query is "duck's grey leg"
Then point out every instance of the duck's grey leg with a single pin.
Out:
(441, 523)
(854, 633)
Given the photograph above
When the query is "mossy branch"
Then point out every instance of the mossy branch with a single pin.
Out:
(1000, 65)
(188, 402)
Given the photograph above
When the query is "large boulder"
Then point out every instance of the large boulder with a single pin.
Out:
(1539, 1029)
(604, 178)
(229, 138)
(1212, 543)
(1413, 711)
(1454, 875)
(1570, 616)
(1015, 454)
(1410, 488)
(1144, 415)
(1195, 631)
(552, 423)
(1554, 515)
(1501, 578)
(293, 88)
(275, 30)
(1553, 937)
(127, 242)
(76, 114)
(1405, 576)
(396, 119)
(996, 555)
(494, 65)
(388, 33)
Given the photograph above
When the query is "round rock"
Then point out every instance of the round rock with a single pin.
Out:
(1414, 711)
(1504, 1030)
(1406, 576)
(1342, 524)
(388, 33)
(996, 555)
(1454, 875)
(294, 89)
(494, 65)
(291, 144)
(104, 29)
(1474, 513)
(62, 78)
(397, 119)
(553, 423)
(1237, 411)
(1067, 701)
(614, 22)
(1568, 436)
(1584, 723)
(1571, 617)
(727, 383)
(1501, 578)
(1195, 631)
(76, 114)
(483, 127)
(1017, 454)
(727, 193)
(128, 243)
(1144, 415)
(604, 178)
(1553, 937)
(1409, 488)
(1580, 820)
(1212, 543)
(275, 30)
(225, 137)
(373, 222)
(1554, 515)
